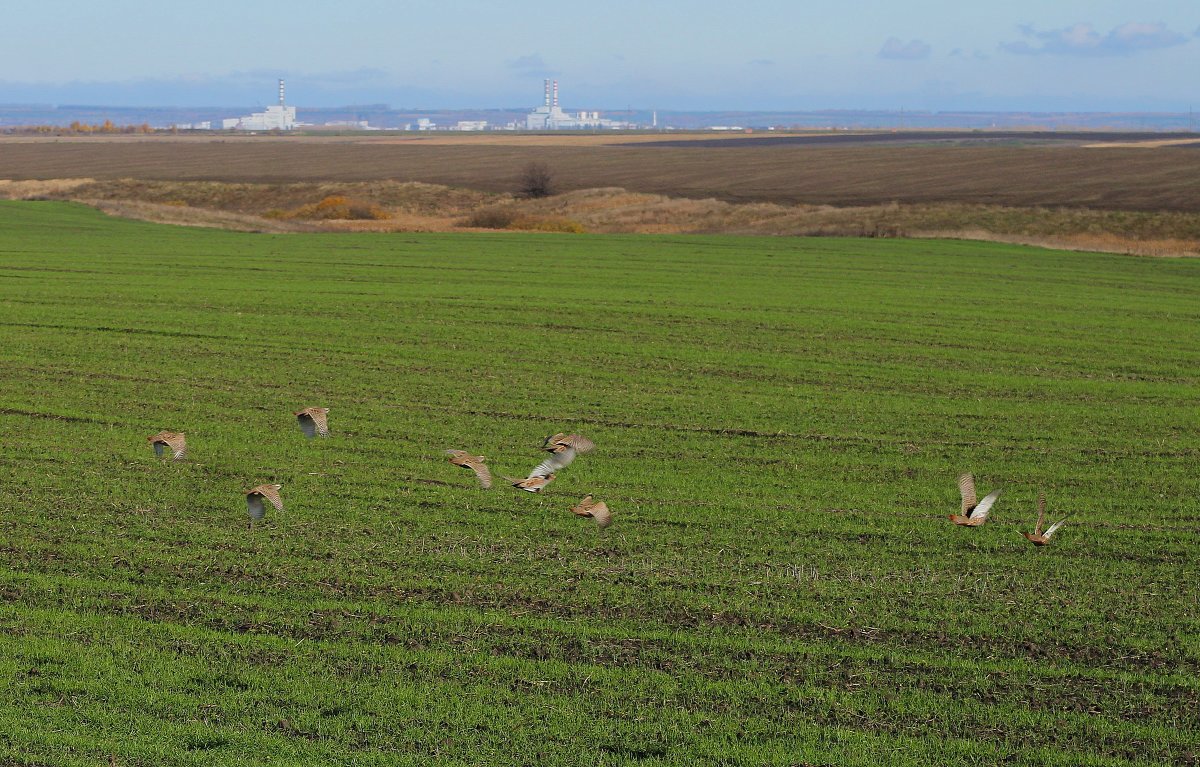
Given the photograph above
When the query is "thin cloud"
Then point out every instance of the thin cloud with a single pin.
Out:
(897, 49)
(762, 63)
(532, 65)
(1083, 40)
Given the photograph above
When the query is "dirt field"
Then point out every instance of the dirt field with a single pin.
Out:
(1008, 171)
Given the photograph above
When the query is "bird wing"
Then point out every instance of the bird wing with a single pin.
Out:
(555, 462)
(966, 486)
(1055, 527)
(481, 472)
(1037, 530)
(321, 418)
(985, 506)
(581, 444)
(178, 446)
(254, 506)
(307, 425)
(601, 514)
(271, 493)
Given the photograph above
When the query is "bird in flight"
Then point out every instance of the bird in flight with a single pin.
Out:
(534, 483)
(557, 443)
(254, 501)
(597, 510)
(562, 449)
(169, 439)
(313, 421)
(473, 462)
(1038, 538)
(974, 513)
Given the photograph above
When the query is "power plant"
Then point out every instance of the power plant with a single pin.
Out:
(276, 117)
(550, 116)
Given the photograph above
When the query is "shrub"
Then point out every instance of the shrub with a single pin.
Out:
(547, 224)
(491, 218)
(537, 180)
(335, 207)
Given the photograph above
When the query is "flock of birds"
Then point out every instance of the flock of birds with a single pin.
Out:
(314, 421)
(975, 513)
(563, 449)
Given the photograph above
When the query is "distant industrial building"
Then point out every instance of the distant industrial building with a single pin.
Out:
(549, 116)
(277, 117)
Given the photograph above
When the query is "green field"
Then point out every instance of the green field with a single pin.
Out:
(779, 423)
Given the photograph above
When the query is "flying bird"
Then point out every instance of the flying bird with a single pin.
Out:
(1038, 538)
(313, 421)
(562, 448)
(534, 483)
(473, 462)
(254, 501)
(597, 510)
(558, 443)
(974, 513)
(171, 439)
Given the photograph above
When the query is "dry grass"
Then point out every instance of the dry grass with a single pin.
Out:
(33, 188)
(1142, 144)
(397, 206)
(203, 217)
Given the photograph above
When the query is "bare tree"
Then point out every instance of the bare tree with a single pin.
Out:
(537, 180)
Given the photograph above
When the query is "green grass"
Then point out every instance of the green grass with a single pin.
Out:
(780, 424)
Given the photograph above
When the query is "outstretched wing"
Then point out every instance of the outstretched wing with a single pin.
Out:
(320, 417)
(307, 425)
(580, 444)
(985, 506)
(1037, 530)
(178, 446)
(254, 507)
(481, 473)
(966, 487)
(271, 493)
(602, 515)
(1055, 527)
(555, 462)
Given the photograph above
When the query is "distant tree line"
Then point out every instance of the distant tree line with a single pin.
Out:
(78, 127)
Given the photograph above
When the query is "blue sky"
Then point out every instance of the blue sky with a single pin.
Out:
(750, 55)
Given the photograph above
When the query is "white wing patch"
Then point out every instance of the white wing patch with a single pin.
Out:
(985, 506)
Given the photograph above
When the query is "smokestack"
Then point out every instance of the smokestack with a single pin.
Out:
(281, 91)
(546, 94)
(555, 102)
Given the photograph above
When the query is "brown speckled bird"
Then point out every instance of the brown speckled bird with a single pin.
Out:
(597, 510)
(974, 513)
(532, 484)
(562, 448)
(1038, 538)
(313, 421)
(254, 501)
(171, 439)
(473, 462)
(557, 443)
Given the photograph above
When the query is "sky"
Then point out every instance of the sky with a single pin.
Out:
(787, 55)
